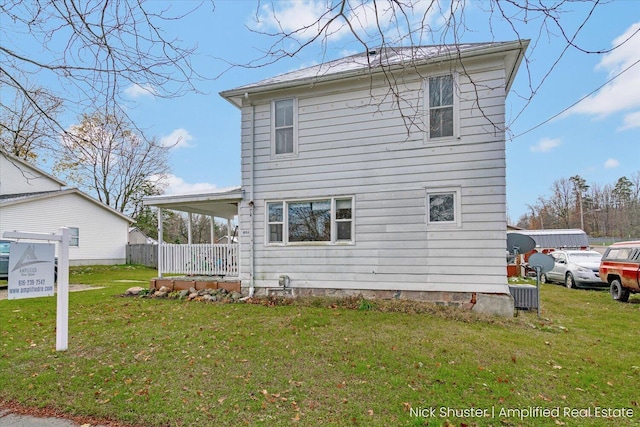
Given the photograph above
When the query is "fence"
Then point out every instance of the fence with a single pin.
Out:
(143, 254)
(200, 259)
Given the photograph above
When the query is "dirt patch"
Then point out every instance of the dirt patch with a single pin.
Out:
(52, 414)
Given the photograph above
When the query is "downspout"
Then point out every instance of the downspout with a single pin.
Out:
(251, 194)
(160, 242)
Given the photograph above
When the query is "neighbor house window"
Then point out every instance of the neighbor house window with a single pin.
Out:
(441, 106)
(284, 120)
(443, 208)
(327, 221)
(74, 236)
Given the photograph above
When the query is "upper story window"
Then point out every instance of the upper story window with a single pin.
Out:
(284, 122)
(327, 221)
(442, 107)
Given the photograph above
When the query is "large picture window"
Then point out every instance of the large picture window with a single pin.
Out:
(284, 126)
(327, 221)
(441, 101)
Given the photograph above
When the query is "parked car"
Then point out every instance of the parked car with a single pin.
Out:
(620, 269)
(4, 259)
(574, 268)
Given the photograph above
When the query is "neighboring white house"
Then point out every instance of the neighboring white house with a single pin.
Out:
(352, 184)
(33, 201)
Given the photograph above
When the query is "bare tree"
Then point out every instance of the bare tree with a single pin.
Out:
(106, 156)
(93, 50)
(24, 131)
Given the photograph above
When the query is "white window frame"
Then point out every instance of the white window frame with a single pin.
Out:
(334, 241)
(457, 208)
(295, 128)
(74, 236)
(456, 109)
(270, 223)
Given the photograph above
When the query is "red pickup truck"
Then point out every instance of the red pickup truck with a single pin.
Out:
(620, 268)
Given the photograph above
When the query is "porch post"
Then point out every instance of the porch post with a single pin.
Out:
(189, 237)
(212, 222)
(160, 242)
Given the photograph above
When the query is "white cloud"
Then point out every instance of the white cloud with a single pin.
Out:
(306, 18)
(176, 185)
(179, 138)
(631, 120)
(545, 144)
(611, 163)
(623, 93)
(136, 91)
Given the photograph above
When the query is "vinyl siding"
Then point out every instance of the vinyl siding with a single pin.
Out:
(351, 145)
(103, 235)
(17, 177)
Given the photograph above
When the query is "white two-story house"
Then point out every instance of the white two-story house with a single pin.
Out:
(381, 174)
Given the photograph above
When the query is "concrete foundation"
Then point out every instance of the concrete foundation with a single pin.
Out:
(494, 304)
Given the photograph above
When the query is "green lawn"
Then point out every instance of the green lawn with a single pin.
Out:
(168, 362)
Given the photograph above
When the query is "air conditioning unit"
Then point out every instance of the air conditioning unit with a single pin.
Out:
(525, 297)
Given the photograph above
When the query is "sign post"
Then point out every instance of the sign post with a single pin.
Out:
(62, 312)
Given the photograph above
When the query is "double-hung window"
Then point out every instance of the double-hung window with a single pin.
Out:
(441, 107)
(328, 221)
(284, 122)
(74, 236)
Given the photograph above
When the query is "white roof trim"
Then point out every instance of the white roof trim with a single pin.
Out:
(28, 165)
(26, 198)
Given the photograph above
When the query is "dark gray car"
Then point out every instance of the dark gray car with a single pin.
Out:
(4, 259)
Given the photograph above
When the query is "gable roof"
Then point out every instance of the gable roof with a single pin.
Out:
(27, 165)
(379, 60)
(15, 199)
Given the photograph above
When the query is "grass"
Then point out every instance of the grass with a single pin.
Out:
(153, 362)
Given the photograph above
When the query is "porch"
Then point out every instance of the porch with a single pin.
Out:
(213, 260)
(202, 259)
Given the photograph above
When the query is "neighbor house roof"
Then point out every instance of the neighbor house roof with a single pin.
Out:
(25, 164)
(558, 238)
(14, 199)
(378, 60)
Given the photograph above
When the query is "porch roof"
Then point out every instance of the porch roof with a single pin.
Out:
(221, 203)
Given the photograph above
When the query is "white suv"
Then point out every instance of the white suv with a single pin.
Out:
(574, 269)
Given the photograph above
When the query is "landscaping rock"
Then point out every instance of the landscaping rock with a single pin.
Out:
(134, 291)
(184, 293)
(160, 294)
(164, 289)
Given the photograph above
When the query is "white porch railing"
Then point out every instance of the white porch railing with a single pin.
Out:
(199, 259)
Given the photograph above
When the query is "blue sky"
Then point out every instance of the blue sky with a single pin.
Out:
(598, 139)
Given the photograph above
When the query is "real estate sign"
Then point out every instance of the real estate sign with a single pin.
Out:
(31, 270)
